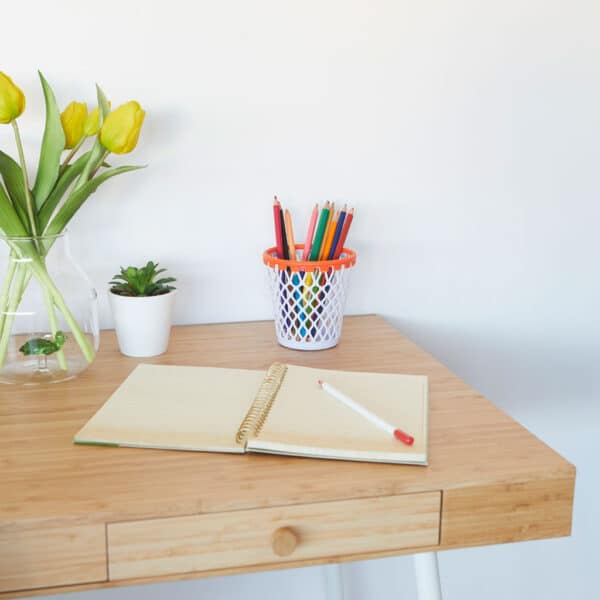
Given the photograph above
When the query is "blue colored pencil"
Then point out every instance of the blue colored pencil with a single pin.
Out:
(338, 232)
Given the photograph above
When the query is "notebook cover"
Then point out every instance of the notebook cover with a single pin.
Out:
(173, 407)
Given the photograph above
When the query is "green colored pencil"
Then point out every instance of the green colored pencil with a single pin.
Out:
(316, 247)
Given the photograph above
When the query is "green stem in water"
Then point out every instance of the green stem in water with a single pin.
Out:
(13, 305)
(28, 199)
(12, 265)
(40, 273)
(35, 266)
(60, 355)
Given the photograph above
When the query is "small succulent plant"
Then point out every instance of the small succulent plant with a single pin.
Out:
(134, 281)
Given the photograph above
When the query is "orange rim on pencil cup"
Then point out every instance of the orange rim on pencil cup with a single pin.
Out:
(309, 298)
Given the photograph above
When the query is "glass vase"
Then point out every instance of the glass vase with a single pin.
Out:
(48, 311)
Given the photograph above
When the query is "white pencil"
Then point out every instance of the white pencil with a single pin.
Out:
(367, 414)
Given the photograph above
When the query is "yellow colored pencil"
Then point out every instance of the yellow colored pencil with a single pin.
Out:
(289, 232)
(327, 229)
(330, 235)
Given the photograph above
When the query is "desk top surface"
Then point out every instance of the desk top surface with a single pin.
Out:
(45, 476)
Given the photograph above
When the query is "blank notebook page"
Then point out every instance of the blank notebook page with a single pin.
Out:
(181, 408)
(305, 420)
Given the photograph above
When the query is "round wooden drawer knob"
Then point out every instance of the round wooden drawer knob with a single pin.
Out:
(284, 541)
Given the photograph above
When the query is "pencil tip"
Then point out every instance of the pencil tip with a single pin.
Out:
(320, 382)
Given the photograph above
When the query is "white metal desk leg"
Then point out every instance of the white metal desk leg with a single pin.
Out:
(334, 582)
(428, 576)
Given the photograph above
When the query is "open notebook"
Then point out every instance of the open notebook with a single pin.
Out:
(282, 411)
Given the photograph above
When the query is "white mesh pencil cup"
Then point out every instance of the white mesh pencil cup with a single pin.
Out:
(308, 298)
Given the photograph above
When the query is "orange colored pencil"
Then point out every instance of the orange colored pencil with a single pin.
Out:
(289, 232)
(327, 230)
(330, 234)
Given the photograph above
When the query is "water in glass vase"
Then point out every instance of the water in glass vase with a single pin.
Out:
(48, 311)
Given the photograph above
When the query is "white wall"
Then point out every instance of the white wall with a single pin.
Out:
(466, 135)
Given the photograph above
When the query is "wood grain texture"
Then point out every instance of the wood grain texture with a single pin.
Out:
(48, 479)
(33, 557)
(507, 513)
(288, 564)
(238, 538)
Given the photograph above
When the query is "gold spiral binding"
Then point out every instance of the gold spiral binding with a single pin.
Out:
(259, 409)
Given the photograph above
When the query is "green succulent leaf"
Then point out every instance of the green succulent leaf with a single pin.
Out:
(53, 143)
(79, 195)
(140, 281)
(62, 185)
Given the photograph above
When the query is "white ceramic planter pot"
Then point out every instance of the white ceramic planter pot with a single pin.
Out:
(142, 323)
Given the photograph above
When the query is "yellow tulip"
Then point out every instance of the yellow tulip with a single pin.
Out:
(73, 119)
(92, 123)
(12, 99)
(121, 128)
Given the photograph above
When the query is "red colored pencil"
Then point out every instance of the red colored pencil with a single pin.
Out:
(344, 234)
(278, 234)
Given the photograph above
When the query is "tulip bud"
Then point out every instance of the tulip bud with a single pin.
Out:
(73, 119)
(12, 99)
(92, 123)
(121, 128)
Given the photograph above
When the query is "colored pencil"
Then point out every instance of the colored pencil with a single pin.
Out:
(310, 233)
(289, 231)
(338, 232)
(316, 247)
(326, 234)
(344, 234)
(400, 435)
(330, 234)
(277, 220)
(286, 254)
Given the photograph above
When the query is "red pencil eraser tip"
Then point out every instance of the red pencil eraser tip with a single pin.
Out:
(404, 437)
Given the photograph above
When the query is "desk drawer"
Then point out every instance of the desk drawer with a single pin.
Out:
(271, 535)
(32, 556)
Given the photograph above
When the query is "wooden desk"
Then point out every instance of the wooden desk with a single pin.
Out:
(75, 517)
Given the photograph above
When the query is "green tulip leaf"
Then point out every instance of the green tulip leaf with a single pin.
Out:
(62, 185)
(53, 143)
(95, 157)
(9, 219)
(103, 104)
(13, 180)
(79, 195)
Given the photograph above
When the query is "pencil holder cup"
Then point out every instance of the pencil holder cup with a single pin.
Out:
(308, 298)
